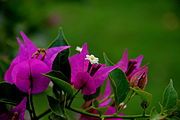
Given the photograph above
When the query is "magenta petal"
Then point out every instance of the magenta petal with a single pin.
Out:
(81, 80)
(102, 74)
(8, 74)
(138, 74)
(26, 72)
(21, 108)
(78, 63)
(21, 76)
(106, 94)
(22, 55)
(29, 45)
(17, 113)
(139, 60)
(51, 54)
(40, 82)
(90, 87)
(123, 63)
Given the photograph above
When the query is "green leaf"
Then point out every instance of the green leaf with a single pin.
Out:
(90, 97)
(57, 74)
(170, 97)
(10, 94)
(61, 62)
(95, 103)
(62, 85)
(155, 115)
(56, 107)
(145, 96)
(119, 83)
(57, 92)
(56, 117)
(101, 110)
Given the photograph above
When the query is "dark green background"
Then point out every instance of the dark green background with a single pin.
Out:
(151, 28)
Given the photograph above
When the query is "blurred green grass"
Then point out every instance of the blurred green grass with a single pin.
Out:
(150, 28)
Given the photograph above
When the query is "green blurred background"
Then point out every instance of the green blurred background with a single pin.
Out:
(151, 28)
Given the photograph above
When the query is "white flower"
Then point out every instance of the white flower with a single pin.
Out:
(51, 84)
(79, 49)
(92, 59)
(122, 106)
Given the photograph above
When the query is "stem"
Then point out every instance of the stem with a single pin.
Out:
(73, 98)
(103, 100)
(29, 108)
(107, 116)
(32, 106)
(44, 113)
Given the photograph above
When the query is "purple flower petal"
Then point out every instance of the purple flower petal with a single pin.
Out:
(78, 63)
(123, 63)
(30, 46)
(20, 108)
(51, 54)
(139, 77)
(84, 82)
(17, 113)
(27, 73)
(102, 75)
(106, 94)
(22, 55)
(139, 60)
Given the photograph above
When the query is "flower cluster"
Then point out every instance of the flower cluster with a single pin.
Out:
(106, 88)
(87, 74)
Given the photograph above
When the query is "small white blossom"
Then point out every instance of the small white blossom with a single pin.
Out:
(51, 84)
(122, 106)
(92, 59)
(79, 49)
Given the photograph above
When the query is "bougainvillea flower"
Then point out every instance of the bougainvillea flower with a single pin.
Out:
(31, 62)
(105, 102)
(139, 77)
(16, 113)
(86, 73)
(136, 74)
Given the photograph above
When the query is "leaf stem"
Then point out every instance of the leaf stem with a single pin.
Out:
(32, 107)
(29, 108)
(73, 98)
(107, 116)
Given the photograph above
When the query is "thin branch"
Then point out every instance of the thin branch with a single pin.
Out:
(106, 116)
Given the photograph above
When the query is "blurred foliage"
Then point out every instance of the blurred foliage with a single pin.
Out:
(150, 28)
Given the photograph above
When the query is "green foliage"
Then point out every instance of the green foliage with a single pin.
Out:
(10, 94)
(62, 85)
(61, 62)
(155, 115)
(56, 107)
(170, 97)
(145, 96)
(58, 74)
(170, 105)
(119, 83)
